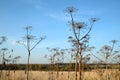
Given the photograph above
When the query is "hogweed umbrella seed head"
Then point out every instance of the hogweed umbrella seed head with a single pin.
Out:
(93, 20)
(80, 25)
(70, 37)
(28, 27)
(4, 38)
(30, 37)
(70, 10)
(113, 41)
(106, 47)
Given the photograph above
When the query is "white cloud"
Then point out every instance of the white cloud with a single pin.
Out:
(59, 16)
(35, 3)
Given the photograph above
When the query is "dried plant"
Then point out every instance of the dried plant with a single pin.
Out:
(107, 54)
(29, 39)
(5, 61)
(79, 41)
(56, 58)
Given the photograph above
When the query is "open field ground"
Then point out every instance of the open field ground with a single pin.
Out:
(62, 75)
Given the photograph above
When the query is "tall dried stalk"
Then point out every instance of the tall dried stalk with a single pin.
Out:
(79, 40)
(3, 51)
(56, 58)
(14, 60)
(29, 38)
(107, 55)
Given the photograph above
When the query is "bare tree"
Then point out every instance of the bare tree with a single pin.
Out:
(29, 39)
(79, 40)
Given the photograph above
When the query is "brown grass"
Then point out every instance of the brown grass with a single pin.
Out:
(43, 75)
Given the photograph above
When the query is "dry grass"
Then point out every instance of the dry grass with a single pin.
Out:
(43, 75)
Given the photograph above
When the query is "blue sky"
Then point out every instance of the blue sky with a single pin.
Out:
(47, 17)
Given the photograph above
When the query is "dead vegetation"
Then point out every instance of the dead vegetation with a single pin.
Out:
(98, 74)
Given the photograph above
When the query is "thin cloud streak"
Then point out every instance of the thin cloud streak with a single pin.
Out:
(80, 15)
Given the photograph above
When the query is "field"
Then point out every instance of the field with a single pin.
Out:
(62, 75)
